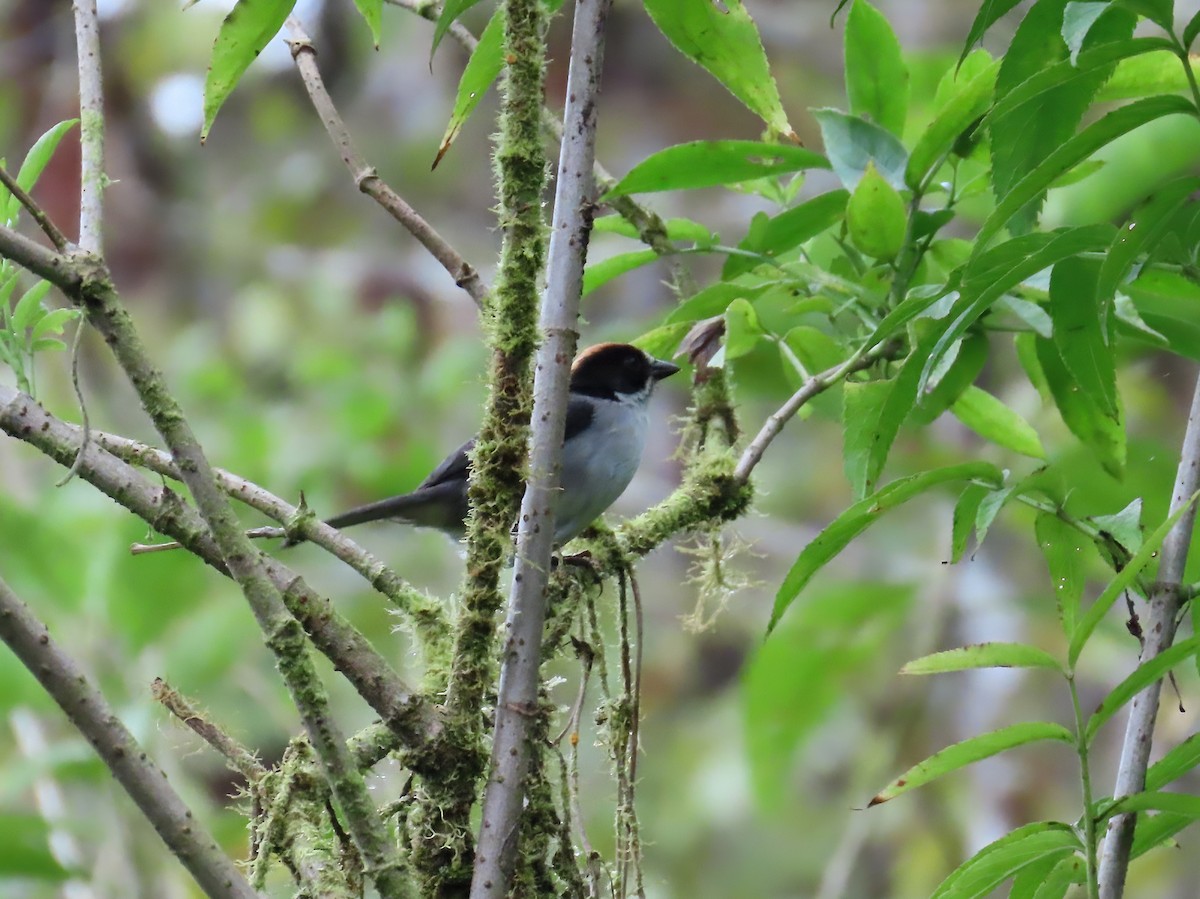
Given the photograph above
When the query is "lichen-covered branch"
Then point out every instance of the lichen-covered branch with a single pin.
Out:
(91, 127)
(1159, 629)
(133, 769)
(519, 677)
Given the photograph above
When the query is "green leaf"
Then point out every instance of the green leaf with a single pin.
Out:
(876, 77)
(875, 216)
(1125, 527)
(714, 300)
(723, 39)
(1176, 763)
(599, 273)
(1176, 803)
(1160, 12)
(1169, 303)
(451, 10)
(1148, 224)
(963, 523)
(1078, 148)
(244, 33)
(25, 849)
(1079, 332)
(677, 229)
(663, 340)
(989, 13)
(969, 751)
(1159, 72)
(742, 329)
(792, 681)
(1155, 830)
(994, 421)
(967, 104)
(53, 322)
(994, 272)
(372, 13)
(979, 875)
(983, 655)
(962, 364)
(480, 73)
(28, 310)
(1190, 31)
(862, 404)
(709, 163)
(852, 144)
(1064, 549)
(1026, 349)
(36, 160)
(1078, 19)
(1139, 679)
(1123, 580)
(860, 516)
(1103, 434)
(788, 230)
(1039, 881)
(1022, 141)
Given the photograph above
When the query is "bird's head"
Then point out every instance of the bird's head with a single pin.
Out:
(618, 371)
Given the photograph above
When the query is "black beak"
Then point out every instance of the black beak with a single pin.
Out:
(660, 369)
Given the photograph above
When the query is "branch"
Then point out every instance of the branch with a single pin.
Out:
(239, 758)
(144, 781)
(815, 385)
(408, 715)
(518, 692)
(367, 179)
(427, 613)
(1159, 630)
(39, 215)
(91, 128)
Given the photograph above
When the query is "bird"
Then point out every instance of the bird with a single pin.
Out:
(607, 422)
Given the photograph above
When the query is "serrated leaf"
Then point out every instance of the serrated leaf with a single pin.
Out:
(1139, 679)
(852, 522)
(1125, 526)
(53, 322)
(714, 300)
(1078, 19)
(710, 163)
(1025, 346)
(963, 522)
(600, 273)
(244, 33)
(1169, 303)
(1160, 12)
(36, 160)
(994, 421)
(966, 105)
(876, 77)
(1079, 331)
(663, 340)
(1064, 549)
(1064, 871)
(979, 875)
(480, 73)
(1030, 313)
(1156, 830)
(876, 218)
(967, 752)
(983, 655)
(1074, 151)
(788, 230)
(723, 39)
(677, 229)
(1122, 581)
(1191, 30)
(989, 13)
(1150, 801)
(862, 404)
(451, 10)
(372, 13)
(852, 144)
(28, 310)
(962, 365)
(1177, 762)
(1103, 434)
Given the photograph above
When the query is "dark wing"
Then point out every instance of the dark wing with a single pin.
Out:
(453, 468)
(579, 416)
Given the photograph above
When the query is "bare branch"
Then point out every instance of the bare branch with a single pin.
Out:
(1159, 629)
(238, 756)
(518, 689)
(91, 128)
(133, 769)
(408, 716)
(367, 179)
(39, 215)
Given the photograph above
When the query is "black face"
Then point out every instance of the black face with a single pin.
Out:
(615, 368)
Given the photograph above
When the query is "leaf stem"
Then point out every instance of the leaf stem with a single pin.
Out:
(1085, 776)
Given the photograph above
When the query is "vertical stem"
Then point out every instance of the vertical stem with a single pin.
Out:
(511, 750)
(1159, 629)
(1085, 776)
(91, 127)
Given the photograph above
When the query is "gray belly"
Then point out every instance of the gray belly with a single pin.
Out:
(606, 470)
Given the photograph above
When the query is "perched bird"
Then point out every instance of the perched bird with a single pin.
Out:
(607, 422)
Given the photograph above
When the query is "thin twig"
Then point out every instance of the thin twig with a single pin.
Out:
(239, 757)
(571, 226)
(367, 179)
(31, 206)
(91, 128)
(133, 769)
(1159, 629)
(815, 385)
(76, 343)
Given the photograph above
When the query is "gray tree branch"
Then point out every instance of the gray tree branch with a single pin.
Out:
(133, 769)
(91, 127)
(571, 227)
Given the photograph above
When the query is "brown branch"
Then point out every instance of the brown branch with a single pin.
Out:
(239, 757)
(132, 768)
(31, 206)
(367, 179)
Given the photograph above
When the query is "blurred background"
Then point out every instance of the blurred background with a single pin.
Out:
(317, 348)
